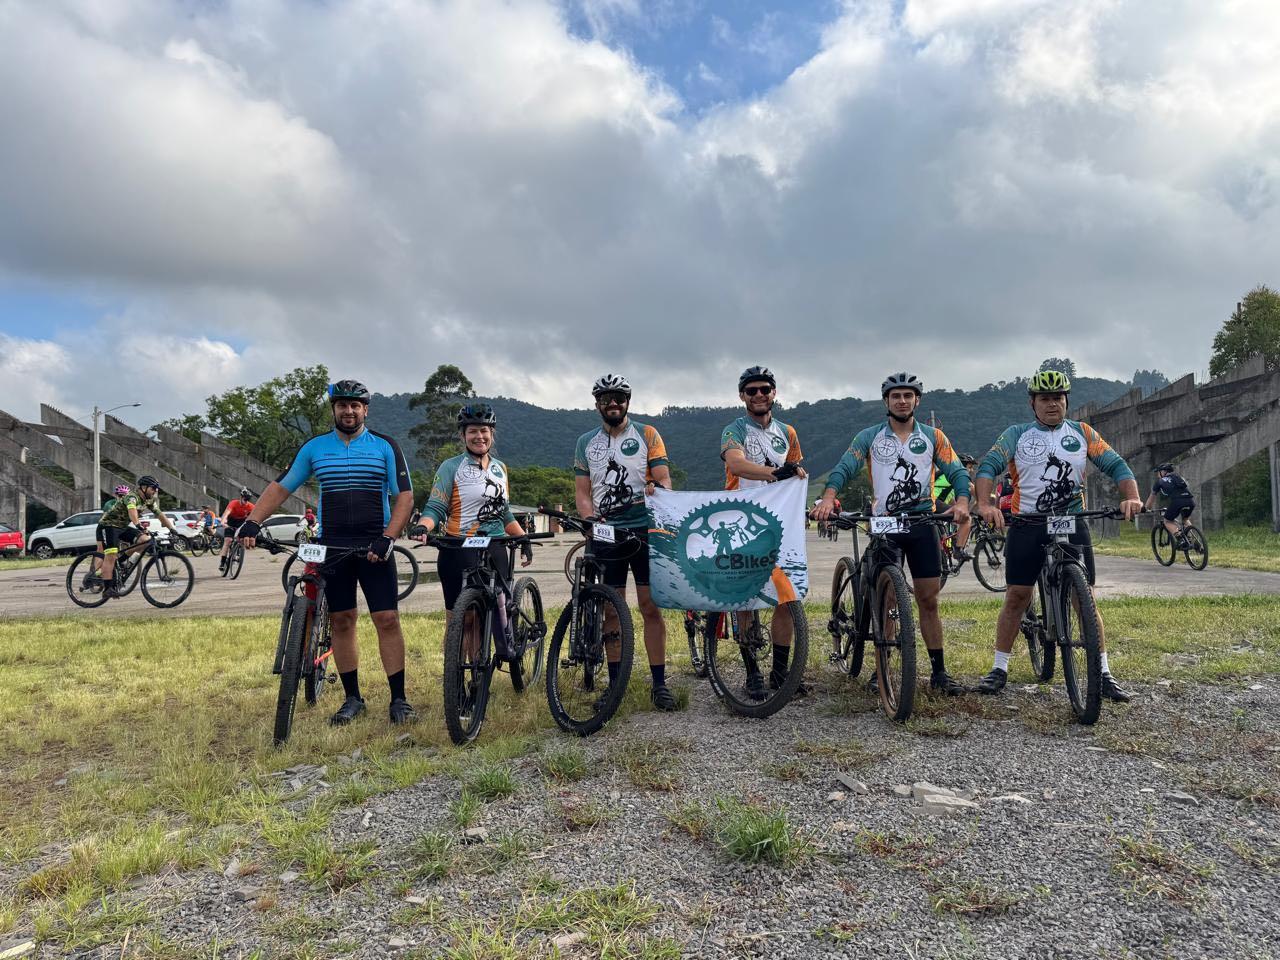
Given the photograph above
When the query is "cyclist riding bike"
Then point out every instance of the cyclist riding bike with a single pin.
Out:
(759, 449)
(638, 452)
(365, 500)
(1031, 452)
(926, 450)
(1181, 503)
(120, 524)
(237, 512)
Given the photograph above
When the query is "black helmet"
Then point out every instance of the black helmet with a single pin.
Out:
(611, 383)
(966, 459)
(147, 480)
(348, 390)
(901, 381)
(756, 373)
(245, 493)
(477, 415)
(1165, 468)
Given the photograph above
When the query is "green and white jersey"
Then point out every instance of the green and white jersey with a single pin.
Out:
(902, 472)
(769, 446)
(1048, 464)
(619, 468)
(468, 498)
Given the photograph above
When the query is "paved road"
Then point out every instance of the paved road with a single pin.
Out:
(41, 592)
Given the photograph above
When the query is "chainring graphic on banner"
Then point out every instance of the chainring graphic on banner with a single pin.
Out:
(727, 549)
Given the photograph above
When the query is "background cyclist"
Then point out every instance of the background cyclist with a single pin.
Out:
(237, 512)
(1181, 502)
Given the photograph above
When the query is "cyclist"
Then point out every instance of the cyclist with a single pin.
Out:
(309, 521)
(600, 491)
(237, 512)
(365, 499)
(120, 524)
(1031, 452)
(883, 448)
(759, 449)
(1181, 502)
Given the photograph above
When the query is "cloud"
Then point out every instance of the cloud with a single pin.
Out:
(958, 187)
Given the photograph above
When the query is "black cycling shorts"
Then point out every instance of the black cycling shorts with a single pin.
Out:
(452, 564)
(233, 525)
(1179, 508)
(920, 547)
(1024, 551)
(112, 537)
(378, 583)
(631, 554)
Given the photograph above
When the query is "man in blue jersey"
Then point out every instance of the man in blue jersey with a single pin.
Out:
(365, 499)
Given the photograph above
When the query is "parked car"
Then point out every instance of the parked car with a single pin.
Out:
(186, 521)
(10, 540)
(72, 535)
(284, 527)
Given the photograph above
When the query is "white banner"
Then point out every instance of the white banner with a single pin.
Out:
(728, 549)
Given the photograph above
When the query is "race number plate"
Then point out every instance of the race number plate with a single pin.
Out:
(312, 553)
(883, 525)
(478, 542)
(1062, 526)
(604, 533)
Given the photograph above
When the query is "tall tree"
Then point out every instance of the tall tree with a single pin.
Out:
(1253, 327)
(270, 421)
(1063, 364)
(189, 426)
(441, 398)
(1149, 381)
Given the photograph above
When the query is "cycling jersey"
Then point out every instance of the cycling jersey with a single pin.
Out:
(239, 510)
(902, 474)
(117, 513)
(769, 446)
(619, 468)
(468, 499)
(1047, 465)
(1173, 487)
(356, 480)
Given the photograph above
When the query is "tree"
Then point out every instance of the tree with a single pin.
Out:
(189, 426)
(272, 420)
(542, 486)
(441, 398)
(1149, 381)
(1254, 327)
(1060, 363)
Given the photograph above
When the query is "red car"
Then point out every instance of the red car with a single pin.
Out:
(11, 541)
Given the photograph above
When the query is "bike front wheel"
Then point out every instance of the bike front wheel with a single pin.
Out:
(466, 666)
(528, 634)
(291, 667)
(319, 652)
(167, 579)
(1162, 545)
(1081, 648)
(580, 695)
(847, 642)
(894, 634)
(405, 556)
(1197, 549)
(741, 660)
(988, 562)
(85, 585)
(235, 560)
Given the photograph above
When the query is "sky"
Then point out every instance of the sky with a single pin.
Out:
(201, 194)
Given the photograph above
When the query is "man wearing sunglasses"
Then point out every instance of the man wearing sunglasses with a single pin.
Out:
(759, 449)
(614, 467)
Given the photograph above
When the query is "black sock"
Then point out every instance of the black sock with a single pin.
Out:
(396, 682)
(780, 656)
(615, 667)
(351, 683)
(659, 674)
(935, 657)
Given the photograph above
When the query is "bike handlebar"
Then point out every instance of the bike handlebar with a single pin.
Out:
(1111, 513)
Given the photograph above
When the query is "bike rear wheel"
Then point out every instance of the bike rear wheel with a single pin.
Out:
(404, 555)
(894, 634)
(695, 625)
(317, 657)
(579, 694)
(1039, 649)
(167, 579)
(198, 545)
(528, 634)
(1081, 655)
(741, 657)
(1197, 549)
(467, 666)
(847, 642)
(1162, 545)
(291, 667)
(571, 558)
(85, 586)
(235, 560)
(988, 562)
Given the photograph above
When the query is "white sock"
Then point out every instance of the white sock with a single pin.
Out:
(1002, 661)
(1105, 668)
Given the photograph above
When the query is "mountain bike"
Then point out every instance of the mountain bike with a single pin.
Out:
(580, 693)
(402, 556)
(494, 621)
(870, 600)
(1063, 617)
(165, 575)
(1192, 543)
(986, 551)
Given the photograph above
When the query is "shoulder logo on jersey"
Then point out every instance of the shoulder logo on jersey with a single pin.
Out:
(726, 550)
(779, 444)
(496, 470)
(630, 447)
(1032, 447)
(917, 445)
(1071, 443)
(886, 448)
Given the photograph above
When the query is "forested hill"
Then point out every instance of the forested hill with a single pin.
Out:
(530, 435)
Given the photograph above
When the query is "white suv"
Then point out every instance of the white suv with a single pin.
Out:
(74, 534)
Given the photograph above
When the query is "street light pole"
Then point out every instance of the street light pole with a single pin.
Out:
(97, 453)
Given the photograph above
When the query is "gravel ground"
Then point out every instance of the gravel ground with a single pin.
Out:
(1036, 869)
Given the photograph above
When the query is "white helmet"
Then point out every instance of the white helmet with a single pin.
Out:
(611, 383)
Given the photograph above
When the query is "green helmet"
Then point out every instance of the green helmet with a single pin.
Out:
(1049, 381)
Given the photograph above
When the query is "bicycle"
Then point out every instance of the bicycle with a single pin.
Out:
(1062, 591)
(493, 621)
(987, 554)
(1192, 543)
(165, 575)
(235, 559)
(579, 649)
(870, 599)
(398, 552)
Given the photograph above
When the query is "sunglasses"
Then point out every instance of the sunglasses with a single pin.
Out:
(752, 391)
(608, 398)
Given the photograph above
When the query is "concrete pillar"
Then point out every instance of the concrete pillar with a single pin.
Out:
(1210, 504)
(1274, 456)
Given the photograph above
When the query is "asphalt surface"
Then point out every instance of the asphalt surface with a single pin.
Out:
(41, 591)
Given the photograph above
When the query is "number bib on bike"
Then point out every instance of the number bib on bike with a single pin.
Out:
(619, 467)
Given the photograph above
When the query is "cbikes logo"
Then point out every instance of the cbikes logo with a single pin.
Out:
(779, 443)
(917, 445)
(727, 550)
(496, 470)
(630, 447)
(1070, 443)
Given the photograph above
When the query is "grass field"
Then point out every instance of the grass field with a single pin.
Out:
(1245, 548)
(31, 563)
(135, 745)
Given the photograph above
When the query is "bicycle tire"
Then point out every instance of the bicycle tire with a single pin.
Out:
(848, 645)
(693, 630)
(1197, 554)
(198, 545)
(897, 696)
(80, 589)
(407, 555)
(592, 599)
(319, 642)
(462, 672)
(165, 561)
(1087, 703)
(1162, 545)
(731, 646)
(290, 669)
(988, 562)
(1039, 650)
(571, 557)
(528, 633)
(284, 573)
(235, 561)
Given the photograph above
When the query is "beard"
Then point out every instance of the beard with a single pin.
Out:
(903, 419)
(613, 419)
(343, 428)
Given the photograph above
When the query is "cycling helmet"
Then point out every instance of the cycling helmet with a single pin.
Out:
(348, 390)
(611, 383)
(756, 373)
(477, 414)
(147, 480)
(245, 493)
(122, 490)
(1049, 381)
(967, 460)
(1165, 468)
(901, 381)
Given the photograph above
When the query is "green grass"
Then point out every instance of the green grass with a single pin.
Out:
(1245, 548)
(755, 833)
(32, 563)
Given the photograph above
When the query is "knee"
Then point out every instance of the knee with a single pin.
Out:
(385, 620)
(343, 620)
(1016, 598)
